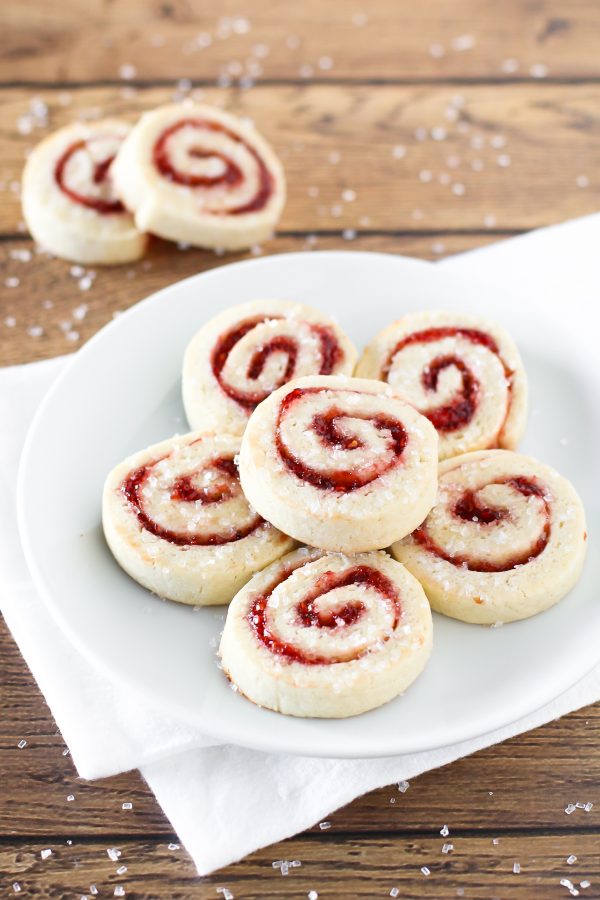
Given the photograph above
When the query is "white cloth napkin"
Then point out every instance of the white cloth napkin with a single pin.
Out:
(226, 801)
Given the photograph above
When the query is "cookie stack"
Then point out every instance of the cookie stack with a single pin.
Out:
(334, 503)
(93, 192)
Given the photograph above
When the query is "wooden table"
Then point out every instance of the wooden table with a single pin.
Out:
(424, 129)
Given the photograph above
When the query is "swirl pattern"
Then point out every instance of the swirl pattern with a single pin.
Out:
(241, 356)
(503, 523)
(366, 442)
(341, 464)
(190, 502)
(226, 170)
(301, 347)
(349, 621)
(70, 201)
(338, 602)
(83, 173)
(177, 521)
(505, 539)
(464, 374)
(193, 173)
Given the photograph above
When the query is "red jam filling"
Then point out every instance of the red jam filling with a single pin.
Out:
(470, 508)
(459, 412)
(326, 425)
(185, 490)
(309, 616)
(100, 176)
(230, 177)
(331, 355)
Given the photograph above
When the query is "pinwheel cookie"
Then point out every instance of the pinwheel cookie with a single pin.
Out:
(240, 356)
(177, 521)
(505, 540)
(463, 373)
(196, 174)
(339, 463)
(69, 201)
(327, 635)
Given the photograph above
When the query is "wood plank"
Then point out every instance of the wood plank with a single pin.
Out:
(537, 145)
(389, 39)
(357, 868)
(524, 783)
(77, 313)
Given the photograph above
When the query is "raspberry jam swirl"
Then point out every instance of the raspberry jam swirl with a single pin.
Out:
(83, 173)
(189, 501)
(336, 439)
(262, 353)
(226, 171)
(444, 356)
(494, 527)
(345, 613)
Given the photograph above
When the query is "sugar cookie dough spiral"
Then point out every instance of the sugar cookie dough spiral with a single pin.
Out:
(69, 200)
(339, 463)
(240, 356)
(505, 540)
(463, 373)
(177, 521)
(196, 174)
(327, 635)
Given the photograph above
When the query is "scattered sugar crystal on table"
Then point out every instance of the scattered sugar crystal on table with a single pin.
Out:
(46, 853)
(444, 831)
(403, 786)
(227, 894)
(463, 42)
(425, 870)
(127, 71)
(538, 70)
(395, 892)
(22, 743)
(127, 805)
(324, 825)
(71, 797)
(447, 848)
(113, 853)
(119, 891)
(571, 859)
(174, 846)
(121, 870)
(516, 868)
(509, 66)
(312, 895)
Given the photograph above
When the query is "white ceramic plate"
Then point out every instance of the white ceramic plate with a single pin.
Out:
(122, 392)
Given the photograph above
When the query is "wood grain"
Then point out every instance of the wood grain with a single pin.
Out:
(368, 867)
(524, 783)
(533, 141)
(164, 40)
(41, 280)
(451, 125)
